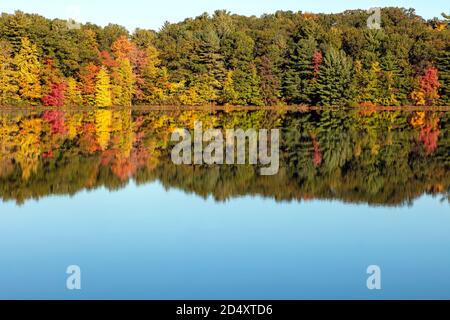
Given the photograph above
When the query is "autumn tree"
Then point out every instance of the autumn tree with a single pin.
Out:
(73, 95)
(56, 96)
(156, 86)
(228, 95)
(28, 69)
(88, 78)
(103, 89)
(123, 83)
(427, 91)
(8, 76)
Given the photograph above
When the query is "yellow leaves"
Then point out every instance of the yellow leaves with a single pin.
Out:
(28, 70)
(202, 91)
(153, 62)
(29, 146)
(375, 150)
(440, 26)
(418, 120)
(103, 89)
(418, 97)
(8, 77)
(73, 125)
(73, 93)
(103, 120)
(123, 80)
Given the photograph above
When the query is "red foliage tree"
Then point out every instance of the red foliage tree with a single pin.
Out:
(107, 60)
(317, 62)
(429, 82)
(56, 96)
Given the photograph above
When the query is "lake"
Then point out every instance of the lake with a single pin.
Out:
(98, 189)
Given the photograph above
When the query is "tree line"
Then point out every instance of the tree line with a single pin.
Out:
(285, 58)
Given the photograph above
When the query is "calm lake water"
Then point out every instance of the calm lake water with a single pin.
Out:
(98, 189)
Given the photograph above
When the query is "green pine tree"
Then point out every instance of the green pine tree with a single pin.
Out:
(298, 81)
(335, 78)
(443, 65)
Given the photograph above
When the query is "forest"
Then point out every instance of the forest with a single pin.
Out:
(285, 58)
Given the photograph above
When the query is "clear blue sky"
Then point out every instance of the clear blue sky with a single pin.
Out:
(152, 13)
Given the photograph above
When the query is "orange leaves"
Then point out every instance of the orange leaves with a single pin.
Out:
(88, 75)
(418, 120)
(124, 48)
(418, 97)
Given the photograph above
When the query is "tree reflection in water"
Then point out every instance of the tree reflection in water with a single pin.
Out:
(379, 158)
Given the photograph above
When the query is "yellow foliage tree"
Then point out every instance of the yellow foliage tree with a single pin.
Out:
(8, 81)
(28, 68)
(123, 83)
(103, 89)
(73, 93)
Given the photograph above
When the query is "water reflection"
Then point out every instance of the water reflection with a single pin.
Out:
(379, 158)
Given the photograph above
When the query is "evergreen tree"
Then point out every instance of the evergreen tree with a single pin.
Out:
(247, 86)
(15, 29)
(335, 78)
(270, 81)
(298, 79)
(443, 65)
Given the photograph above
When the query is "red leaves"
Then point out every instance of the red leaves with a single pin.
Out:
(429, 135)
(428, 88)
(56, 119)
(107, 60)
(56, 96)
(317, 62)
(429, 83)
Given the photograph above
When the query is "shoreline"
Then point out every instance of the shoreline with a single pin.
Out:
(294, 108)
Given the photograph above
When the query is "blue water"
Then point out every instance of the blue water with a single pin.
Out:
(150, 243)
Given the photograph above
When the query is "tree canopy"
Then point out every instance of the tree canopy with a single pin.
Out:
(228, 59)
